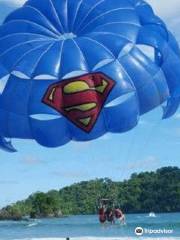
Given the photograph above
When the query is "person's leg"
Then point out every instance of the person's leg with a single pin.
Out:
(123, 219)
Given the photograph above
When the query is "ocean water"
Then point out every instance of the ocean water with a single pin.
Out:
(88, 227)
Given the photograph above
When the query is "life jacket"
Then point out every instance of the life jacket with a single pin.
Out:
(109, 215)
(118, 213)
(102, 215)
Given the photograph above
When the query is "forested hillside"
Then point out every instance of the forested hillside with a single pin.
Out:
(145, 192)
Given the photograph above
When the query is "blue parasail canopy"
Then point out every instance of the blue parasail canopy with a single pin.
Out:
(77, 69)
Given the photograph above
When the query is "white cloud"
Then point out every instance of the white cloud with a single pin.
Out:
(14, 2)
(177, 116)
(169, 12)
(106, 136)
(166, 9)
(8, 182)
(31, 160)
(69, 174)
(144, 122)
(81, 146)
(149, 161)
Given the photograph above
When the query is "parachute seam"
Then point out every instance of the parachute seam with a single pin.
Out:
(60, 56)
(116, 34)
(103, 14)
(31, 50)
(33, 23)
(76, 14)
(125, 71)
(65, 120)
(158, 90)
(67, 16)
(111, 33)
(44, 16)
(36, 34)
(93, 7)
(102, 45)
(39, 59)
(109, 23)
(28, 108)
(149, 81)
(21, 44)
(144, 55)
(56, 14)
(59, 61)
(132, 84)
(82, 54)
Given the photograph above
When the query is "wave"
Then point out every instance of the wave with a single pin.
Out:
(32, 224)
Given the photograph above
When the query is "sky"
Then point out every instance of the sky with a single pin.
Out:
(153, 144)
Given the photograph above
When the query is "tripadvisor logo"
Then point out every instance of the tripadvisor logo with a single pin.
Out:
(139, 231)
(158, 231)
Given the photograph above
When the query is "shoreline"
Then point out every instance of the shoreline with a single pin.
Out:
(29, 219)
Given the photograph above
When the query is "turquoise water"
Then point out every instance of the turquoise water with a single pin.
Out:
(77, 226)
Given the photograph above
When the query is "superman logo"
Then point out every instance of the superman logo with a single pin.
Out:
(80, 99)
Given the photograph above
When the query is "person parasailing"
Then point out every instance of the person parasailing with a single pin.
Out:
(119, 215)
(102, 215)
